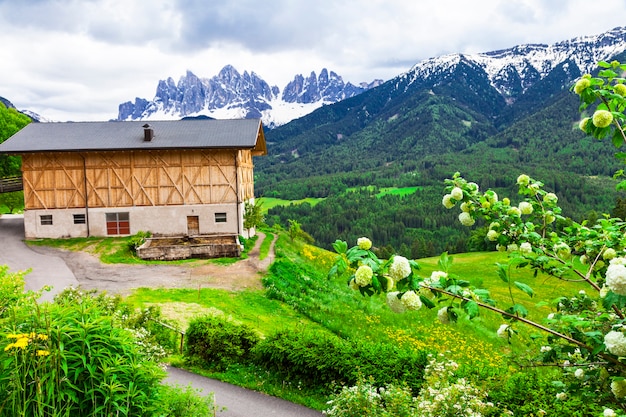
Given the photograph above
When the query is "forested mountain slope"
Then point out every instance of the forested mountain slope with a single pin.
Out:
(417, 133)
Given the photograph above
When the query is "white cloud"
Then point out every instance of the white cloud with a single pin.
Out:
(79, 59)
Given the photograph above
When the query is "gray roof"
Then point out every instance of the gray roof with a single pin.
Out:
(108, 136)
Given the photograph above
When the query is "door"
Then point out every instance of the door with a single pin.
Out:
(193, 225)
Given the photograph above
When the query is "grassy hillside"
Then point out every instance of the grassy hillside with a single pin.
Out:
(298, 297)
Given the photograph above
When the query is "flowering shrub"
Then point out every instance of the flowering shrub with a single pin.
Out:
(443, 395)
(81, 355)
(587, 330)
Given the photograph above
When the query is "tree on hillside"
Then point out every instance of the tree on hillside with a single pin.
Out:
(11, 121)
(12, 200)
(253, 215)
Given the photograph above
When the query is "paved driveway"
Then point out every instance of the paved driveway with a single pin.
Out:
(45, 269)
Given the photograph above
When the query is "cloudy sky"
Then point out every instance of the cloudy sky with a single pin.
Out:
(79, 59)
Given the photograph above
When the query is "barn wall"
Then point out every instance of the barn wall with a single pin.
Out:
(133, 178)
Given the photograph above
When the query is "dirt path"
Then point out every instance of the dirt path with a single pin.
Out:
(123, 278)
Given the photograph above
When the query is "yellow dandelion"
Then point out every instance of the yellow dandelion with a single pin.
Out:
(43, 353)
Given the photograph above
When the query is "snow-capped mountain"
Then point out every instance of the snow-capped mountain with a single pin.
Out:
(230, 94)
(513, 71)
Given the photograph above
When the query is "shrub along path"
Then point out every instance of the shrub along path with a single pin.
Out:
(62, 268)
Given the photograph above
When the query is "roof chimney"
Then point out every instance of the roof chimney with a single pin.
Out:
(148, 133)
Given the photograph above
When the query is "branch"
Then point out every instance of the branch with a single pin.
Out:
(569, 339)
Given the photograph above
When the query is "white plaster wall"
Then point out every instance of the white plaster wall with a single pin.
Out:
(164, 220)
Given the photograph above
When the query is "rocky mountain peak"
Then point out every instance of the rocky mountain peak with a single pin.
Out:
(231, 94)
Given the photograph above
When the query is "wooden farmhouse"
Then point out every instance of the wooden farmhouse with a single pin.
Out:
(170, 178)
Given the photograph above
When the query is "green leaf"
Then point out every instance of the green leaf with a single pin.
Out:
(520, 310)
(427, 302)
(502, 272)
(444, 262)
(617, 138)
(376, 284)
(332, 272)
(355, 253)
(525, 288)
(340, 246)
(455, 289)
(471, 308)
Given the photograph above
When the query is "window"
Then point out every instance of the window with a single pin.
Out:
(46, 219)
(79, 219)
(118, 224)
(220, 217)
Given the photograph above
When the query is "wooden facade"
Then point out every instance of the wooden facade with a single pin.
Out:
(61, 180)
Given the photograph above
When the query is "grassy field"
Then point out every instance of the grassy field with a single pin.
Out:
(401, 191)
(270, 202)
(313, 301)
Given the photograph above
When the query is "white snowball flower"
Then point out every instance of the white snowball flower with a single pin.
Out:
(526, 248)
(523, 179)
(364, 243)
(525, 207)
(503, 331)
(400, 268)
(512, 247)
(604, 291)
(457, 193)
(608, 254)
(550, 198)
(514, 211)
(616, 278)
(618, 387)
(394, 302)
(447, 201)
(579, 373)
(492, 235)
(411, 300)
(466, 219)
(436, 275)
(615, 343)
(363, 275)
(562, 250)
(442, 315)
(609, 413)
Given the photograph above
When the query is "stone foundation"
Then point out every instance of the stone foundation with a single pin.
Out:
(173, 248)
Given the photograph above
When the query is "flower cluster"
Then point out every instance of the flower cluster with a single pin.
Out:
(364, 243)
(616, 275)
(615, 343)
(363, 275)
(400, 268)
(22, 340)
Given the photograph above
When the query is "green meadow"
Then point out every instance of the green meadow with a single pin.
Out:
(299, 297)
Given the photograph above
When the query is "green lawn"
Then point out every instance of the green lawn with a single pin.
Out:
(270, 202)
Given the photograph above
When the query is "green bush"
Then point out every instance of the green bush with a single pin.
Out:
(184, 402)
(525, 393)
(137, 240)
(73, 360)
(322, 360)
(216, 342)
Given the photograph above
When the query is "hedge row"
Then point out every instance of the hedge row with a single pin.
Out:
(312, 357)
